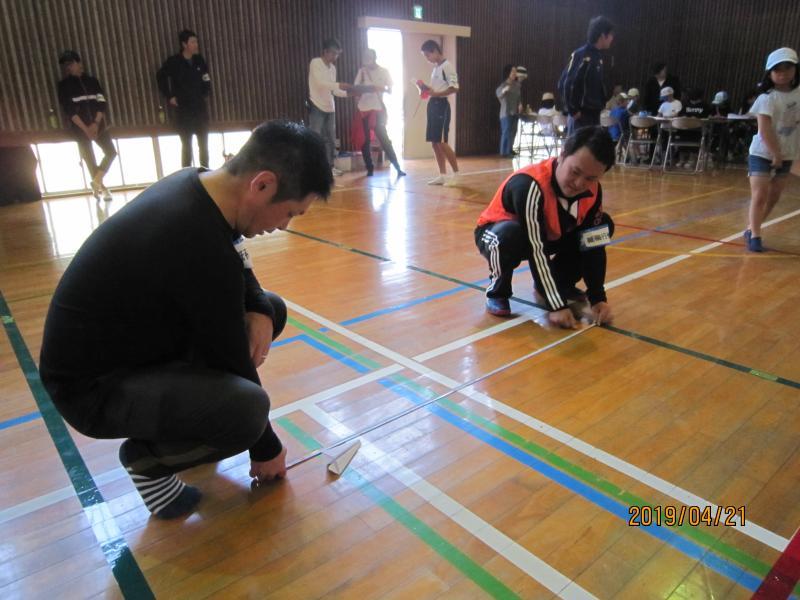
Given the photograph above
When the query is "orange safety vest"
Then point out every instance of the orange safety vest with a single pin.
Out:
(542, 174)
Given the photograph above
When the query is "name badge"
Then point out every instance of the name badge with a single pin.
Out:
(243, 253)
(596, 237)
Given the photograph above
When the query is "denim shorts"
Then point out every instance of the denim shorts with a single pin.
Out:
(762, 167)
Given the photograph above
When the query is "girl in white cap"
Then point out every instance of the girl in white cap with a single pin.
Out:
(777, 142)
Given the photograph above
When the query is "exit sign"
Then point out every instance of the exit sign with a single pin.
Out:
(418, 11)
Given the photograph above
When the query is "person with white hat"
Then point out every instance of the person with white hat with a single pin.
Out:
(547, 108)
(777, 142)
(720, 105)
(670, 106)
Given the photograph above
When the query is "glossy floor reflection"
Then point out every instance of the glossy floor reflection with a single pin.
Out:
(518, 486)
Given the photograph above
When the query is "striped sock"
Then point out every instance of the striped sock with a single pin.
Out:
(161, 494)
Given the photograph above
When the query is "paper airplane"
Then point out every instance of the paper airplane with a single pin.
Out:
(338, 462)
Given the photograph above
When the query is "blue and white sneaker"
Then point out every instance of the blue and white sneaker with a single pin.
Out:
(499, 307)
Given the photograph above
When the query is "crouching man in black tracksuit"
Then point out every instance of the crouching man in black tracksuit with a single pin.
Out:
(184, 81)
(551, 214)
(84, 103)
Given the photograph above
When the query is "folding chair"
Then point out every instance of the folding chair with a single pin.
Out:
(606, 122)
(559, 131)
(640, 137)
(685, 124)
(543, 133)
(527, 125)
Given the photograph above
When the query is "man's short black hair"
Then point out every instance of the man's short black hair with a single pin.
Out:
(183, 36)
(658, 67)
(431, 46)
(293, 152)
(331, 44)
(68, 56)
(598, 26)
(597, 140)
(507, 71)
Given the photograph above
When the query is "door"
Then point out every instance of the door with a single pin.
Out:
(415, 67)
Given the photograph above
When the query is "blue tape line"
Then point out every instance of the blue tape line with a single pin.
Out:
(720, 210)
(20, 420)
(705, 556)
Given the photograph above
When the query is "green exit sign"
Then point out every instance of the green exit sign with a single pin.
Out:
(418, 11)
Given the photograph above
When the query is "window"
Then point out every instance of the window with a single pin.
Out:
(61, 169)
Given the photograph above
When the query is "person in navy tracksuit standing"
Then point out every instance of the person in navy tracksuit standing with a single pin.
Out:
(184, 81)
(582, 89)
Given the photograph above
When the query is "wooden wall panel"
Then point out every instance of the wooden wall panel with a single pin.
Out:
(724, 45)
(258, 50)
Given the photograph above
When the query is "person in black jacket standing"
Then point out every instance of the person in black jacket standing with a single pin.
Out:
(581, 86)
(657, 82)
(84, 103)
(184, 81)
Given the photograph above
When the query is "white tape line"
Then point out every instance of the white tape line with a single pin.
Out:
(751, 529)
(503, 545)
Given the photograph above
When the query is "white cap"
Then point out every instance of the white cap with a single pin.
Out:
(666, 91)
(522, 72)
(720, 97)
(548, 96)
(633, 93)
(781, 55)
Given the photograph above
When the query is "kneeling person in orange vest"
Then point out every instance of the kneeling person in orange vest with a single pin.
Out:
(551, 214)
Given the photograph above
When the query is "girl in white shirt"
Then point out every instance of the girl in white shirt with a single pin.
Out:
(777, 142)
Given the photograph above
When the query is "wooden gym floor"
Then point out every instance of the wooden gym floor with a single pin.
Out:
(521, 486)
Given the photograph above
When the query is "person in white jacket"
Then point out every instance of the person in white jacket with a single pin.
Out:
(322, 87)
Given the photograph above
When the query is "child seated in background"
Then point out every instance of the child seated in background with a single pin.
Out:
(635, 109)
(620, 114)
(615, 95)
(720, 132)
(547, 109)
(634, 103)
(670, 107)
(720, 106)
(695, 107)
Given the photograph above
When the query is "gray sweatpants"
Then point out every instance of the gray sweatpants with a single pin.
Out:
(175, 415)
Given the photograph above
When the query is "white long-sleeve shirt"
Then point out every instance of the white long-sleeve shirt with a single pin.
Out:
(322, 83)
(379, 77)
